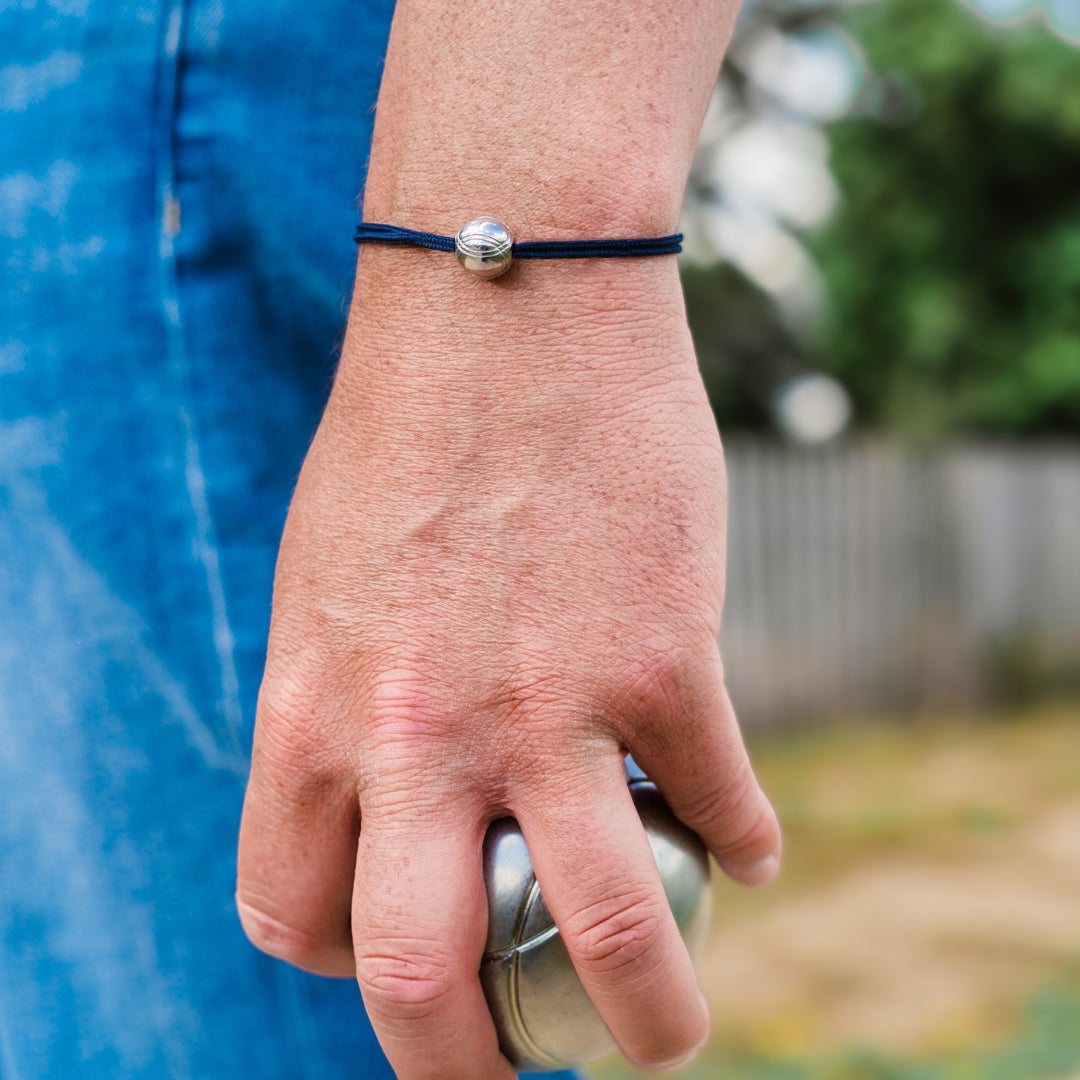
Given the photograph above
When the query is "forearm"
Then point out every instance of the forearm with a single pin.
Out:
(565, 120)
(568, 118)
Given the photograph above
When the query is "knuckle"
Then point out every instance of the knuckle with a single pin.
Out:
(269, 934)
(654, 686)
(404, 984)
(662, 683)
(737, 821)
(617, 934)
(757, 834)
(291, 689)
(722, 805)
(403, 704)
(299, 739)
(287, 718)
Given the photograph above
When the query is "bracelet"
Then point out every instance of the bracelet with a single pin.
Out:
(486, 247)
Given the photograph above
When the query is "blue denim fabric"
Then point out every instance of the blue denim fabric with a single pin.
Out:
(177, 194)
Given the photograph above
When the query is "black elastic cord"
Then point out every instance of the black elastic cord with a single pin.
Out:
(529, 249)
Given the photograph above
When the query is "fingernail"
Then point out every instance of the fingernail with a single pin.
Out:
(756, 873)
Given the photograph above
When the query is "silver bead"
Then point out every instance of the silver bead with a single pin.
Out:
(485, 247)
(543, 1016)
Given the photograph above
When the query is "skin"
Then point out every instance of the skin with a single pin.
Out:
(503, 566)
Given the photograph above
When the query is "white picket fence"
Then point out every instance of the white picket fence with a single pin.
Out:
(870, 578)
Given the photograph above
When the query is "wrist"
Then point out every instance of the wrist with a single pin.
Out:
(566, 317)
(577, 205)
(551, 355)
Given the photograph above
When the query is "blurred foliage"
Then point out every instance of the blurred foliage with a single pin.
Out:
(952, 265)
(1023, 670)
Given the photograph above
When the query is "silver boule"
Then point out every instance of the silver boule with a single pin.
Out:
(543, 1016)
(485, 247)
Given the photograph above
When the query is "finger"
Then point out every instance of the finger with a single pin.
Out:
(297, 859)
(599, 879)
(700, 764)
(419, 923)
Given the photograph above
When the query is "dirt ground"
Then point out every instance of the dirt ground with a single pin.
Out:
(905, 954)
(931, 887)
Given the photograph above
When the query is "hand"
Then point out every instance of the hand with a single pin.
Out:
(502, 569)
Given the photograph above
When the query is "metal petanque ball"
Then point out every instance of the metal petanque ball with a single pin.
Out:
(543, 1016)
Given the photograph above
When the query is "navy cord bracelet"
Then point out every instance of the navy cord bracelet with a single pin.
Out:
(486, 247)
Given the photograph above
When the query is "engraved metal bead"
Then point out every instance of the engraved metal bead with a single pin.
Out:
(485, 247)
(542, 1014)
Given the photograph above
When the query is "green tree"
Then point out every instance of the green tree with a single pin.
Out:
(952, 267)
